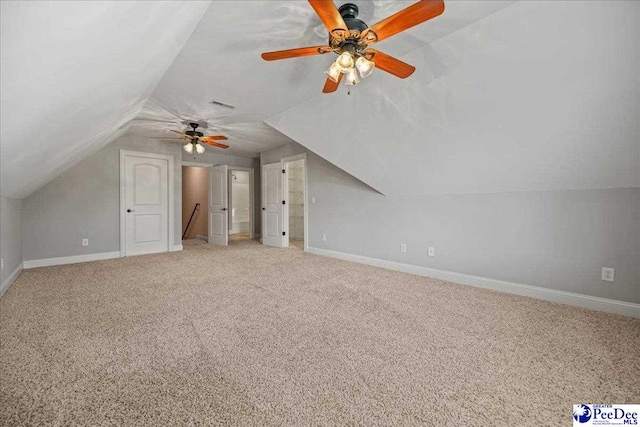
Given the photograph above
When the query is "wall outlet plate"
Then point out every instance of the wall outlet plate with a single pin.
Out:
(608, 274)
(324, 237)
(431, 251)
(403, 248)
(85, 242)
(2, 264)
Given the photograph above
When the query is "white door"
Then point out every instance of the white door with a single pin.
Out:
(146, 202)
(272, 205)
(218, 206)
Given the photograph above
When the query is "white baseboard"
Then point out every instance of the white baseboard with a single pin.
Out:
(177, 248)
(585, 301)
(4, 287)
(201, 237)
(70, 259)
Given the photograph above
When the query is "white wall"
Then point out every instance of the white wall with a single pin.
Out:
(216, 158)
(84, 202)
(10, 240)
(551, 239)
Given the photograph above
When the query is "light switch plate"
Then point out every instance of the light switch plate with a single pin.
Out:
(85, 242)
(431, 251)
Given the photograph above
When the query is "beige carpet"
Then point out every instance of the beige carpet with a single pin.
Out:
(248, 335)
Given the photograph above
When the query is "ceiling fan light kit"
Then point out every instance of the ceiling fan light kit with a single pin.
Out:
(195, 139)
(351, 39)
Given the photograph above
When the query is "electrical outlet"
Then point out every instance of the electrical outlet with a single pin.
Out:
(431, 251)
(313, 200)
(324, 237)
(403, 248)
(608, 274)
(1, 263)
(85, 242)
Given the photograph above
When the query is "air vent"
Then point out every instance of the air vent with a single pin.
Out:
(222, 104)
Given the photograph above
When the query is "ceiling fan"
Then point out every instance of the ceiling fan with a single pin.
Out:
(195, 139)
(351, 39)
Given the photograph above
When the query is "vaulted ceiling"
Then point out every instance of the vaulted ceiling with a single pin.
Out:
(74, 74)
(507, 96)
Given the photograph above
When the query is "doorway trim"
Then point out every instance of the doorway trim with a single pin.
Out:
(285, 195)
(252, 216)
(171, 205)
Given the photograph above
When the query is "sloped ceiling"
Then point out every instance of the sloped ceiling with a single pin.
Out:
(221, 61)
(74, 74)
(507, 96)
(538, 96)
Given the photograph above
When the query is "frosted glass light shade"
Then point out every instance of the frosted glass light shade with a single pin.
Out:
(199, 149)
(352, 77)
(345, 61)
(188, 148)
(364, 66)
(333, 73)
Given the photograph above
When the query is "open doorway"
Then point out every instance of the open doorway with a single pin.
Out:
(217, 204)
(294, 214)
(241, 215)
(195, 205)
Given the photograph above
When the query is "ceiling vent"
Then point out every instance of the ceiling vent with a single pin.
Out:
(222, 104)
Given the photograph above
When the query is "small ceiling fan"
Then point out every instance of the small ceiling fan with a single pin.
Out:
(351, 39)
(195, 139)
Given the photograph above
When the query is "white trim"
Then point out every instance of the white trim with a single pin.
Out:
(70, 259)
(201, 237)
(284, 161)
(177, 248)
(170, 208)
(4, 287)
(197, 164)
(585, 301)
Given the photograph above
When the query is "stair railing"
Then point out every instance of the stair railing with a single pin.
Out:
(195, 208)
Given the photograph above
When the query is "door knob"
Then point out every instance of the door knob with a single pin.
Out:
(223, 209)
(264, 209)
(131, 210)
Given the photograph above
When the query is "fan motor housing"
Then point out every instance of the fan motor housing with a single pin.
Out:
(349, 13)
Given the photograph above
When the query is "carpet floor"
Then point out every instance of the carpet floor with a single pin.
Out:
(250, 335)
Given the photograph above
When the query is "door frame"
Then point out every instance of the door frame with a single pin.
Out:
(170, 198)
(285, 196)
(252, 217)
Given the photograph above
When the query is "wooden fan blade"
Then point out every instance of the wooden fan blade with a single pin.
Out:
(331, 86)
(330, 16)
(215, 144)
(413, 15)
(214, 138)
(295, 53)
(390, 64)
(178, 132)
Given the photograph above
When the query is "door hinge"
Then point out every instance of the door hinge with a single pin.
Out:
(283, 171)
(284, 203)
(284, 233)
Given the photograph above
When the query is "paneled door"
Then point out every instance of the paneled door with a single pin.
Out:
(145, 203)
(272, 205)
(218, 206)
